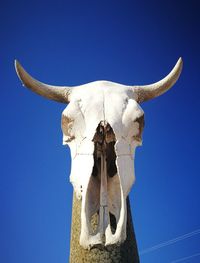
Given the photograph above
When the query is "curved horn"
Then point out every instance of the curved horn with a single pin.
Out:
(151, 91)
(60, 94)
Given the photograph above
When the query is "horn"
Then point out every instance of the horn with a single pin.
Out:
(151, 91)
(57, 93)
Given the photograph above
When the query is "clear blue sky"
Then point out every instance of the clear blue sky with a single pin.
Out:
(71, 43)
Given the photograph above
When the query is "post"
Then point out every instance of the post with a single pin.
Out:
(123, 253)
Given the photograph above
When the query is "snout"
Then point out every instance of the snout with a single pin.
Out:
(104, 198)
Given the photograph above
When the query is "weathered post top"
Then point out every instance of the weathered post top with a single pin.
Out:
(102, 125)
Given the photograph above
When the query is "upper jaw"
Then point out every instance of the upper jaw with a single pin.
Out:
(100, 187)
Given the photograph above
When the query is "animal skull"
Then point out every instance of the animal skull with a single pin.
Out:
(102, 125)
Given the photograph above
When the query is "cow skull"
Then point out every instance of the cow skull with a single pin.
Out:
(102, 125)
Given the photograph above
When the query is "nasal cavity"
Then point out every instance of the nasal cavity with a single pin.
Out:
(104, 140)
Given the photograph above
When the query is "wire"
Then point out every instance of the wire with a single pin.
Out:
(185, 258)
(170, 242)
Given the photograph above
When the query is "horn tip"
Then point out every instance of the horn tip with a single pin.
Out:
(17, 68)
(180, 65)
(16, 63)
(180, 61)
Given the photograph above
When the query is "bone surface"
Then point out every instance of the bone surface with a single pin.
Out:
(100, 126)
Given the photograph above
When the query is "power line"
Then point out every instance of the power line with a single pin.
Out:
(170, 242)
(185, 258)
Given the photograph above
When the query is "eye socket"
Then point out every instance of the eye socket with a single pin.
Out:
(67, 125)
(141, 123)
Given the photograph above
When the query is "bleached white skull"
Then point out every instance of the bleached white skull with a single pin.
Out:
(102, 125)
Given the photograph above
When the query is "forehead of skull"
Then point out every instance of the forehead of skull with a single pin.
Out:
(103, 100)
(101, 87)
(97, 92)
